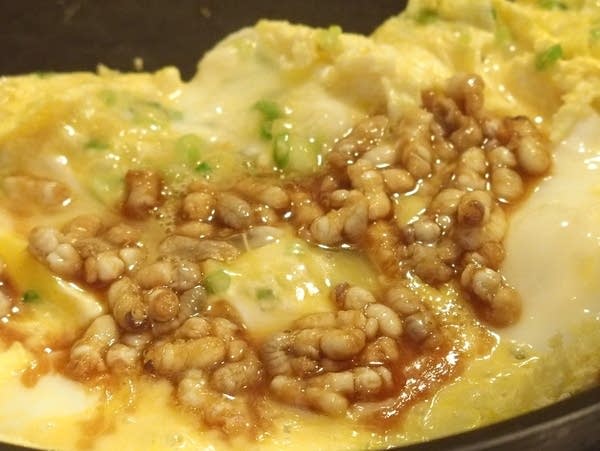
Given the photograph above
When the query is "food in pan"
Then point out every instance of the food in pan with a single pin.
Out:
(322, 238)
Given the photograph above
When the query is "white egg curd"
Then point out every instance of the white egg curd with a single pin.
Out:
(323, 240)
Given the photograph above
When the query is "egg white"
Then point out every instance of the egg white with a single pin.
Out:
(553, 244)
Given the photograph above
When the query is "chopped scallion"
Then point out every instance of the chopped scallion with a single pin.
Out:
(96, 144)
(204, 168)
(426, 16)
(548, 57)
(281, 150)
(30, 296)
(264, 293)
(217, 282)
(266, 128)
(552, 4)
(108, 97)
(188, 148)
(269, 109)
(329, 39)
(503, 35)
(148, 112)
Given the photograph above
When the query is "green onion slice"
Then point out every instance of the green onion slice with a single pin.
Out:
(217, 282)
(548, 57)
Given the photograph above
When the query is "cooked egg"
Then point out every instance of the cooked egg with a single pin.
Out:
(275, 99)
(553, 244)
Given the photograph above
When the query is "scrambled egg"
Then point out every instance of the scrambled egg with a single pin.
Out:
(537, 58)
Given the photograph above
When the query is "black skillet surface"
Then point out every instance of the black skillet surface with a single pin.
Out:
(68, 35)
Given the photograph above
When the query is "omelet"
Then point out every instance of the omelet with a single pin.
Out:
(143, 218)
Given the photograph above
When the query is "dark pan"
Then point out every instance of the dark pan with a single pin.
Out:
(69, 35)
